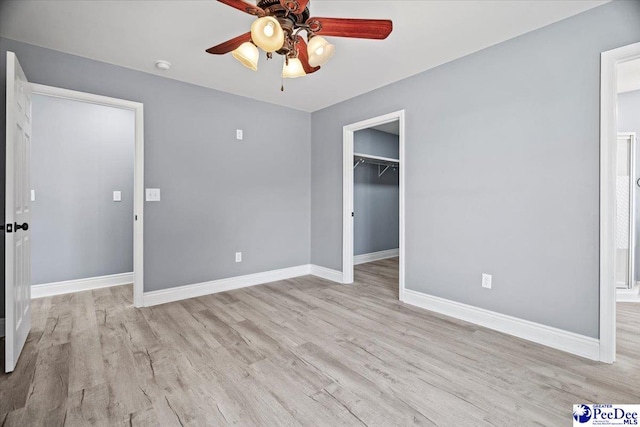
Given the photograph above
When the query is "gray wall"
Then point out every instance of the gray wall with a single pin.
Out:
(219, 195)
(375, 203)
(375, 199)
(375, 142)
(629, 121)
(80, 154)
(502, 171)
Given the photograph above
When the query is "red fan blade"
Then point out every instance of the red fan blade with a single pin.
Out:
(244, 6)
(357, 28)
(303, 56)
(229, 45)
(294, 6)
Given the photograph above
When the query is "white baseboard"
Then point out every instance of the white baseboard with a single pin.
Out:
(628, 295)
(375, 256)
(552, 337)
(68, 286)
(326, 273)
(1, 328)
(199, 289)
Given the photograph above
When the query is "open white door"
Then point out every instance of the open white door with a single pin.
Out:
(17, 214)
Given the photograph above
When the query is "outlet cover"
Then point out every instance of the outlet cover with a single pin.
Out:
(486, 281)
(152, 195)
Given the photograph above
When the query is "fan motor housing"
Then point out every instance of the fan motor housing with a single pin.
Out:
(274, 8)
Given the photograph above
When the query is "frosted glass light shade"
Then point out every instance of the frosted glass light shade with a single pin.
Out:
(320, 51)
(293, 69)
(267, 33)
(247, 53)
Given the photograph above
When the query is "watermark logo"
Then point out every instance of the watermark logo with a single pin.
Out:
(605, 415)
(581, 413)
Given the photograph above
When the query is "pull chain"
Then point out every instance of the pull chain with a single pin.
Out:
(284, 62)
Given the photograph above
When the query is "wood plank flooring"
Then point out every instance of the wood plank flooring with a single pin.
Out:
(296, 352)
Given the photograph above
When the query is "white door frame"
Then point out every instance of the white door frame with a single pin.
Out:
(347, 193)
(608, 140)
(138, 179)
(631, 274)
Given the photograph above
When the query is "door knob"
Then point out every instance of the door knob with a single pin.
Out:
(24, 226)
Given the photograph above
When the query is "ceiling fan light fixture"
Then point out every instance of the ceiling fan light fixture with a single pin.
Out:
(247, 53)
(320, 51)
(293, 69)
(267, 33)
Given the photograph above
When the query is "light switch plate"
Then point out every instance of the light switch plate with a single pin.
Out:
(152, 194)
(33, 195)
(239, 134)
(117, 196)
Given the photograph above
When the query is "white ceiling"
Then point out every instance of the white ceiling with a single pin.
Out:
(629, 76)
(135, 34)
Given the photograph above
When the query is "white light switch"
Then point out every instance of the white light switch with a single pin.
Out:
(238, 256)
(117, 196)
(239, 134)
(33, 195)
(153, 194)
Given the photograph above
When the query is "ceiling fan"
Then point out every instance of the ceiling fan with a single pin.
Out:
(278, 29)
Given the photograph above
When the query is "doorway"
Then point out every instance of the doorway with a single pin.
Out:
(616, 264)
(136, 108)
(382, 161)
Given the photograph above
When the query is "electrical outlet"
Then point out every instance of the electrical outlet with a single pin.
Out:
(486, 281)
(239, 134)
(238, 256)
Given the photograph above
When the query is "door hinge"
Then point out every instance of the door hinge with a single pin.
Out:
(353, 214)
(136, 217)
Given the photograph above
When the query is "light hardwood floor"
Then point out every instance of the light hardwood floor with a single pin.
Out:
(296, 352)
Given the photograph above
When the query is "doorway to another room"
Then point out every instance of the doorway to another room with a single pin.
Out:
(82, 163)
(108, 205)
(619, 187)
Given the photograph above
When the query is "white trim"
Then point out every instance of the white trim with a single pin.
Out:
(375, 256)
(631, 253)
(552, 337)
(628, 295)
(199, 289)
(347, 205)
(347, 193)
(138, 180)
(608, 139)
(326, 273)
(79, 285)
(2, 327)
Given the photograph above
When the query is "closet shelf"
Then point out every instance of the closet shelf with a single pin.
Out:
(376, 160)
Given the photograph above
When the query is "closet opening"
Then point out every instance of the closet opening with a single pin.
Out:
(373, 205)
